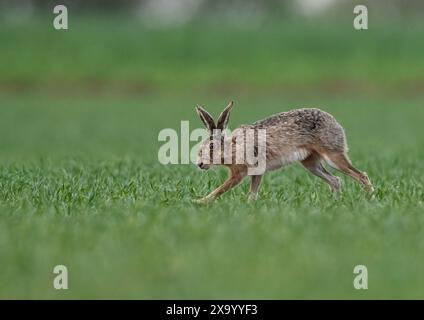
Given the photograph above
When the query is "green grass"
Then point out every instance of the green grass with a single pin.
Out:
(125, 226)
(80, 183)
(121, 53)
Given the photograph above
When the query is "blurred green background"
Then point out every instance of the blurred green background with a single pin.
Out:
(80, 183)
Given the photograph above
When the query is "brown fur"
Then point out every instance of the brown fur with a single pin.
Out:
(308, 135)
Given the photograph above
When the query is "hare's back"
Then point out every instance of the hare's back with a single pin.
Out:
(306, 126)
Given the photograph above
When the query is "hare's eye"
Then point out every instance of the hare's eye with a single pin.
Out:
(211, 146)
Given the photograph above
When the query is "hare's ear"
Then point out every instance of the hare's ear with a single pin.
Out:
(206, 118)
(224, 117)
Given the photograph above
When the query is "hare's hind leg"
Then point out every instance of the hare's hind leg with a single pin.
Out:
(341, 162)
(314, 165)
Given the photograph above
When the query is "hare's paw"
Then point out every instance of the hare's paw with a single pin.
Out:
(371, 193)
(204, 200)
(252, 197)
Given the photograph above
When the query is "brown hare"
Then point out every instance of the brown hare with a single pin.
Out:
(307, 135)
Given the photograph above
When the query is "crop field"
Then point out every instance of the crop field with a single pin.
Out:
(81, 184)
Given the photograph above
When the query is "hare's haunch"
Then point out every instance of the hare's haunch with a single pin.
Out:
(308, 135)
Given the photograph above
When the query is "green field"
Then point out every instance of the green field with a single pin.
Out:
(80, 183)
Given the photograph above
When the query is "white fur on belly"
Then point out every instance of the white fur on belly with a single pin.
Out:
(288, 157)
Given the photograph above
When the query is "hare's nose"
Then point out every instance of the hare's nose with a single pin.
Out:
(200, 165)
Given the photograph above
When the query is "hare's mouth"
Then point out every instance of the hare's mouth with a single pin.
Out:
(203, 166)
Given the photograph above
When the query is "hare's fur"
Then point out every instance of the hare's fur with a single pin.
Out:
(306, 135)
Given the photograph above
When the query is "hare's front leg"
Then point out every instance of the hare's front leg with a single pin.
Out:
(255, 183)
(236, 176)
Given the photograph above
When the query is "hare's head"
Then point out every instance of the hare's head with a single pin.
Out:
(208, 148)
